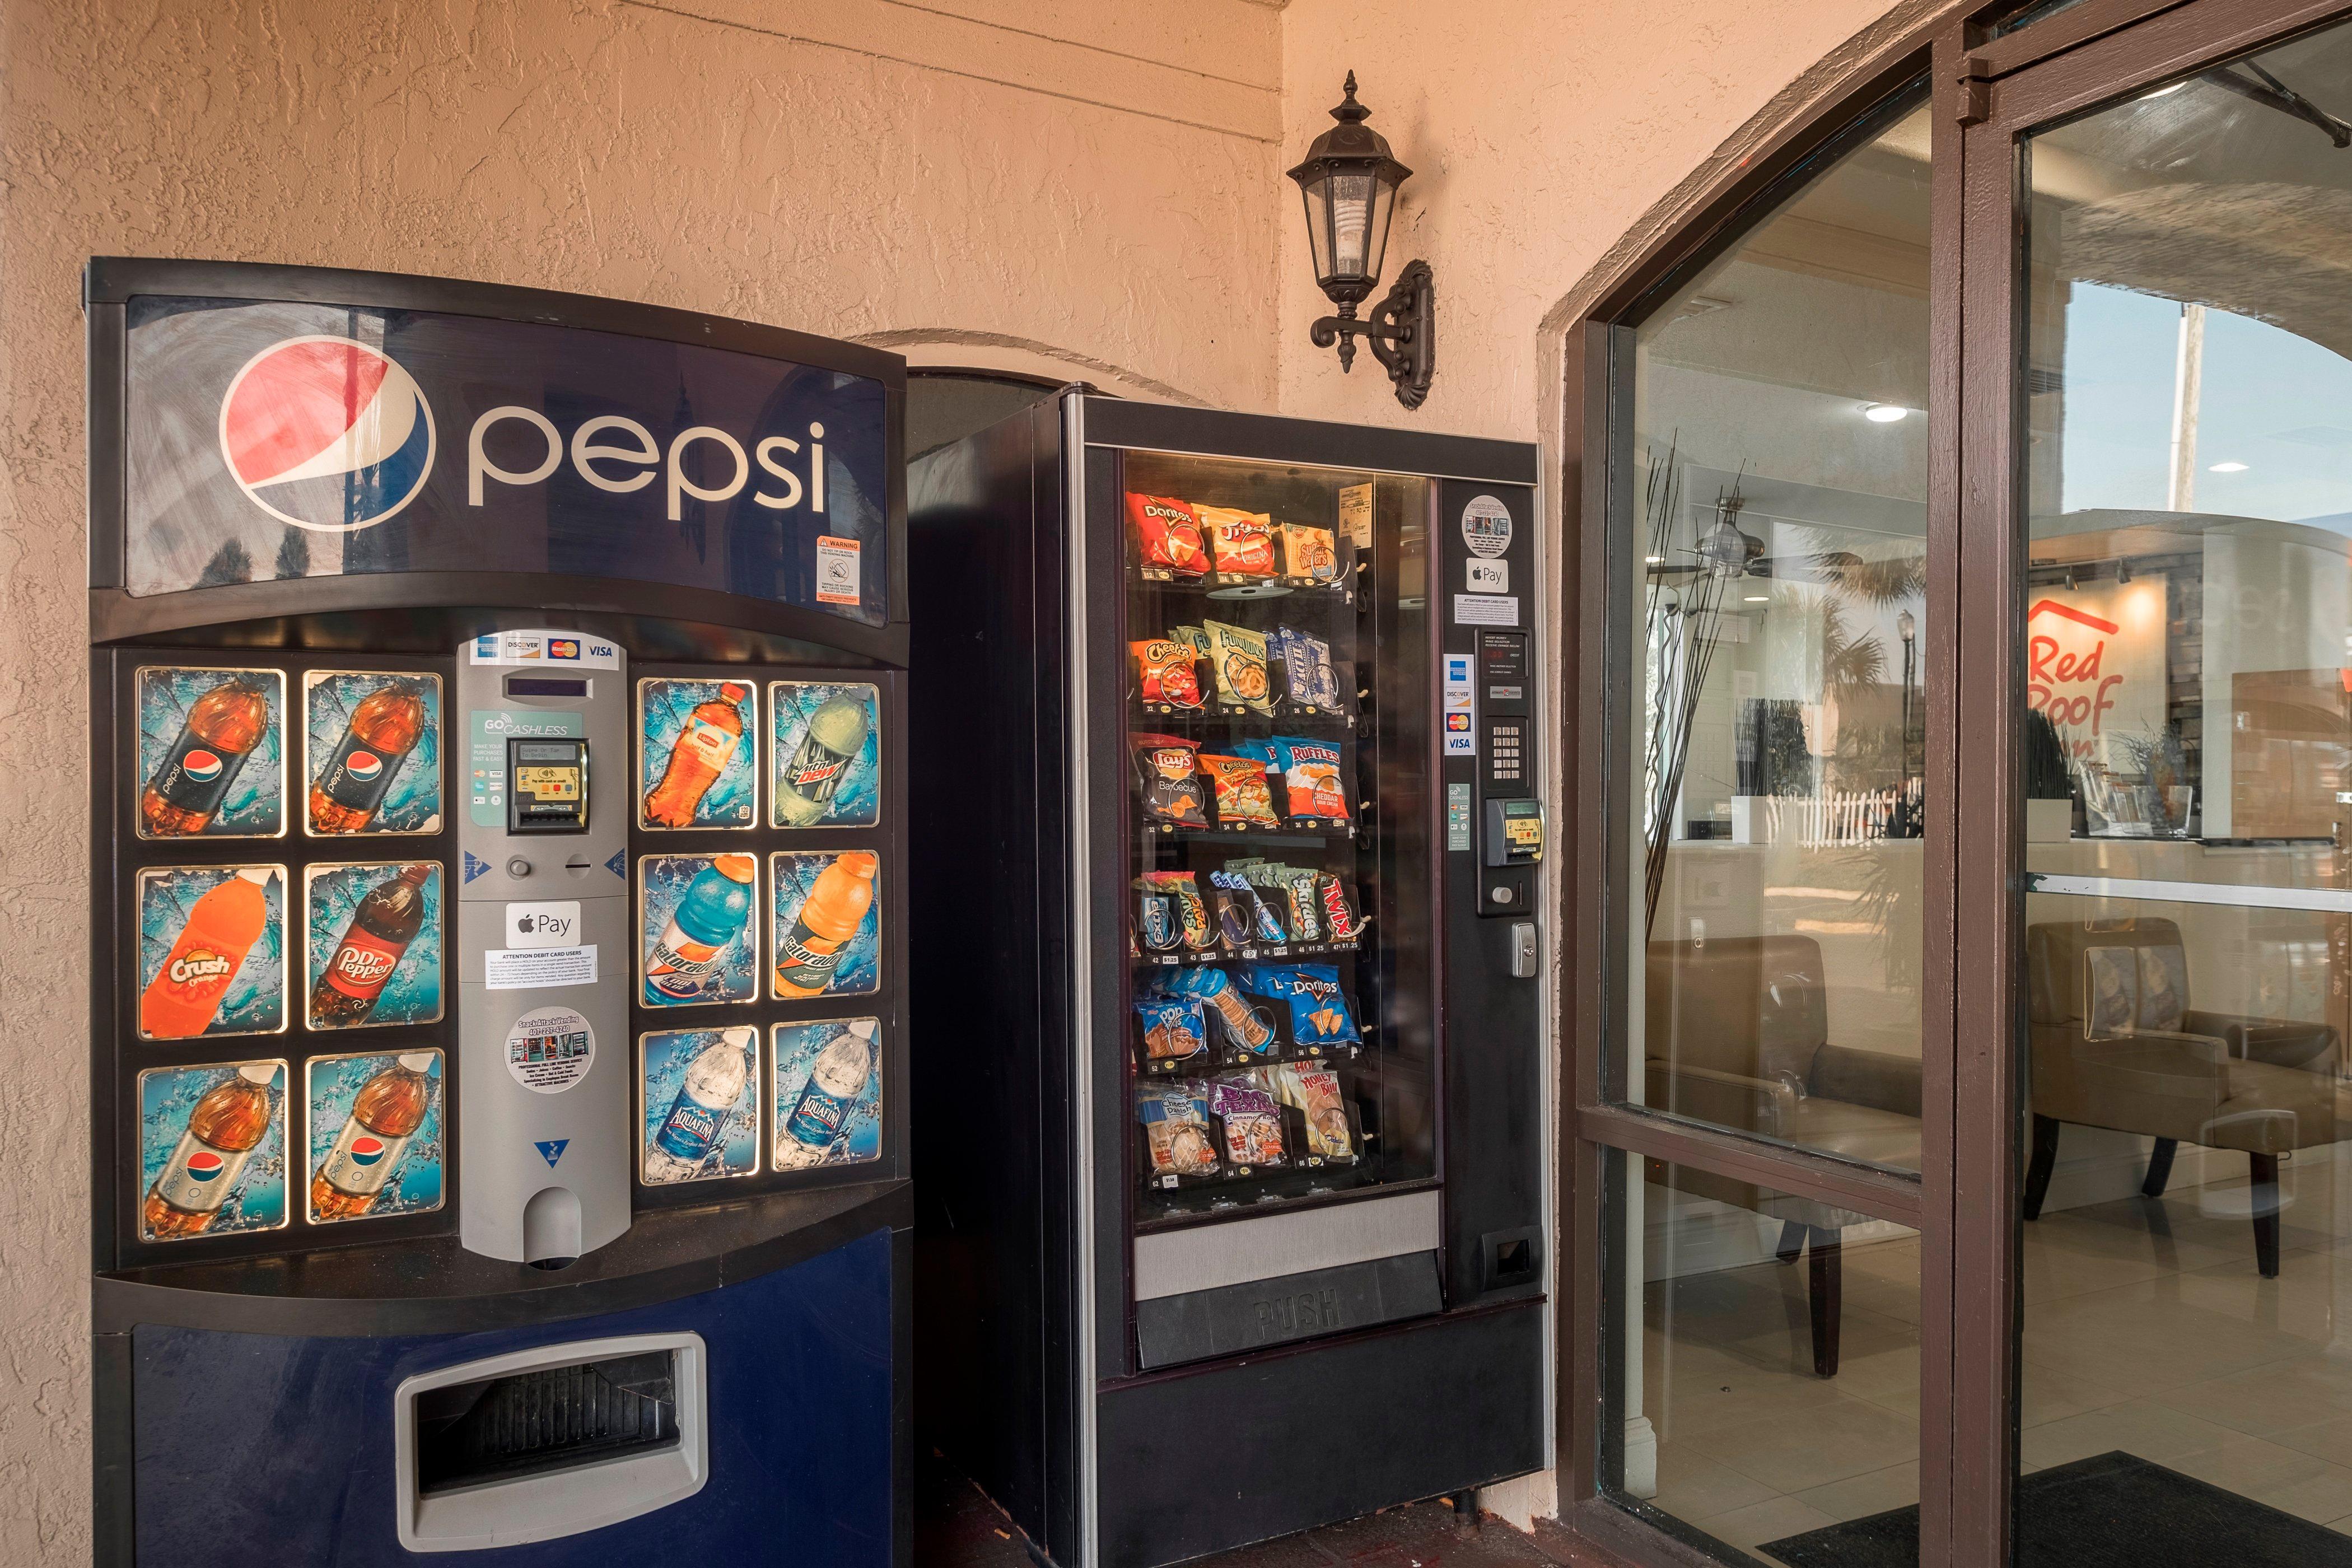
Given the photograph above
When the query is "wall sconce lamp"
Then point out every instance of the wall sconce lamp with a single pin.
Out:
(1349, 181)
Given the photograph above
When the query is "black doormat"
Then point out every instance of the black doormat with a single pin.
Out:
(2108, 1511)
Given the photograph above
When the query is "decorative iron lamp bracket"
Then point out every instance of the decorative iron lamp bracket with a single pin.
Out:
(1401, 330)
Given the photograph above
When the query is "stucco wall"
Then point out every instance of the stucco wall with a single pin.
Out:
(1081, 174)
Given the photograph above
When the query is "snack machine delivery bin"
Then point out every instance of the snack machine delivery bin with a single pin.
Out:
(498, 1058)
(1232, 1215)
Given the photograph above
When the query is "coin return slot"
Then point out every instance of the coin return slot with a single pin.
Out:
(549, 1442)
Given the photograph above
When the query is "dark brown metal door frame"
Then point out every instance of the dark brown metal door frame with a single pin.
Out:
(1988, 673)
(1985, 94)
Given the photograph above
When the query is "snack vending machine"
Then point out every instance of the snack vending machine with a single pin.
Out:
(499, 1056)
(1233, 1214)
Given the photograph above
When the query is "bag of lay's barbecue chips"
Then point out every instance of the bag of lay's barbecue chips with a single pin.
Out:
(1167, 536)
(1169, 779)
(1241, 543)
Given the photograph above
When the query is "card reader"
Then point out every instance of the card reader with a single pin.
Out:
(550, 786)
(1515, 832)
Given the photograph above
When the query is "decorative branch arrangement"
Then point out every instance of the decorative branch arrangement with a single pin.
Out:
(1680, 635)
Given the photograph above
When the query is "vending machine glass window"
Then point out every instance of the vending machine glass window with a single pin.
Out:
(1274, 974)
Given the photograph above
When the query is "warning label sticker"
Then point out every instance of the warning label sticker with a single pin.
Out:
(836, 570)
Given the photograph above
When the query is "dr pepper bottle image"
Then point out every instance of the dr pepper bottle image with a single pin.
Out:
(381, 928)
(383, 730)
(224, 726)
(196, 1181)
(704, 746)
(391, 1106)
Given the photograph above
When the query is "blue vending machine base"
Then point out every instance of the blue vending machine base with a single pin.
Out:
(254, 1448)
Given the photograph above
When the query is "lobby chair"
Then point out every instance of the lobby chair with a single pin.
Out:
(1739, 1037)
(2116, 1043)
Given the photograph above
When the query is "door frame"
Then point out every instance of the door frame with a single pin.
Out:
(1985, 90)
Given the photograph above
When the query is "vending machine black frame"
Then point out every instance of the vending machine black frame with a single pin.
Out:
(408, 1274)
(1032, 1380)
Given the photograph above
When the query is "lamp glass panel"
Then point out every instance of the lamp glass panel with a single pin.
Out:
(1377, 235)
(1351, 217)
(1317, 194)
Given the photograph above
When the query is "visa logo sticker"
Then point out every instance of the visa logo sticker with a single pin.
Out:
(552, 1149)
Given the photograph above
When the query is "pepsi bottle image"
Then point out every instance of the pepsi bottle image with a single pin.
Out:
(389, 1109)
(205, 1170)
(223, 727)
(710, 914)
(384, 728)
(695, 1122)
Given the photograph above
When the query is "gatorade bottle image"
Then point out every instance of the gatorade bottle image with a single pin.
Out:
(223, 925)
(389, 1109)
(710, 914)
(806, 785)
(836, 904)
(382, 926)
(383, 730)
(697, 1119)
(712, 732)
(837, 1082)
(224, 726)
(195, 1182)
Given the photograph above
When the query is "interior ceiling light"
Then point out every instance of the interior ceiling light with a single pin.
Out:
(1885, 413)
(2227, 469)
(1756, 598)
(2165, 92)
(1653, 560)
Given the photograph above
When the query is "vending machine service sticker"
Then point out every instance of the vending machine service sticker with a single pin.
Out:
(827, 924)
(373, 1130)
(695, 744)
(550, 1050)
(697, 941)
(1486, 527)
(372, 939)
(212, 752)
(212, 1149)
(828, 1094)
(211, 951)
(699, 1101)
(370, 752)
(827, 755)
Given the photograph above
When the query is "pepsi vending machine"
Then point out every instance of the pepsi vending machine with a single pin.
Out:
(499, 1056)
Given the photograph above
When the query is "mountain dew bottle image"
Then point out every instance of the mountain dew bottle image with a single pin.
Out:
(837, 1082)
(684, 965)
(806, 785)
(697, 1120)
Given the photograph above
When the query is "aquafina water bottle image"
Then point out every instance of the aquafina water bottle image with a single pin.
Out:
(693, 1138)
(834, 1103)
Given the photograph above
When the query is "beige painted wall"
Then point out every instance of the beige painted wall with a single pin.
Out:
(1079, 176)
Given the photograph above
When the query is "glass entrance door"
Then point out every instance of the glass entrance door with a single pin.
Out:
(2167, 562)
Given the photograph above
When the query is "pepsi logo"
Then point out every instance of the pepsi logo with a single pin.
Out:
(204, 1165)
(366, 1150)
(326, 433)
(201, 765)
(364, 764)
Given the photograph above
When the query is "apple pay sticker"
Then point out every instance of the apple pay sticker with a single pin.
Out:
(551, 924)
(1489, 576)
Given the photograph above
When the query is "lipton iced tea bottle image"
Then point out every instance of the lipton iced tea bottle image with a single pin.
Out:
(836, 904)
(700, 755)
(350, 788)
(195, 1182)
(222, 727)
(389, 1109)
(380, 929)
(806, 785)
(683, 966)
(223, 925)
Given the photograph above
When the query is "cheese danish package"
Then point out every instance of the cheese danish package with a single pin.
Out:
(1167, 536)
(1241, 543)
(1238, 655)
(1175, 1118)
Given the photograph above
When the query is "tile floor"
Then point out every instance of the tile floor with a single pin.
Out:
(2146, 1328)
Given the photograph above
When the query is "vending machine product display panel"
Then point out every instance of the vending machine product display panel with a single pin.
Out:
(1231, 870)
(497, 955)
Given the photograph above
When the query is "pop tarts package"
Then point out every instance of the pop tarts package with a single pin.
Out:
(1174, 1029)
(1317, 1006)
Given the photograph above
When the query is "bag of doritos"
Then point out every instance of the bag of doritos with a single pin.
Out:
(1167, 536)
(1315, 1005)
